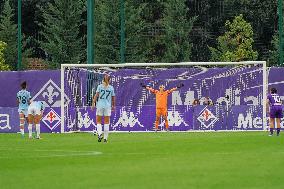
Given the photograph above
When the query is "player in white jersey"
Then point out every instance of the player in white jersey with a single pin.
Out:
(104, 101)
(23, 99)
(35, 112)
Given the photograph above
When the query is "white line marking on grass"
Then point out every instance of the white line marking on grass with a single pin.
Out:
(94, 153)
(54, 153)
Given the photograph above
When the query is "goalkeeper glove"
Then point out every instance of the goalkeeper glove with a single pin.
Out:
(180, 85)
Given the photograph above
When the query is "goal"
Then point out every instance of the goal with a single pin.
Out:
(236, 91)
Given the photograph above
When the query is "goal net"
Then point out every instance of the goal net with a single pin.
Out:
(215, 96)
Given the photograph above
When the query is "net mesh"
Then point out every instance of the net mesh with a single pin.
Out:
(235, 93)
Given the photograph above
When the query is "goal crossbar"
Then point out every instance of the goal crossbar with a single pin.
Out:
(165, 64)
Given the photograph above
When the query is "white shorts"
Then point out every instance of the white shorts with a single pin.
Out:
(103, 112)
(25, 112)
(34, 110)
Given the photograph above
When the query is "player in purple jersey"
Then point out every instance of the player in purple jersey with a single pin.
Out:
(275, 106)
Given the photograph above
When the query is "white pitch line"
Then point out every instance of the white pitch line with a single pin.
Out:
(65, 153)
(94, 153)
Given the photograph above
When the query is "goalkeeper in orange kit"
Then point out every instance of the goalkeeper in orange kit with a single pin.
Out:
(161, 103)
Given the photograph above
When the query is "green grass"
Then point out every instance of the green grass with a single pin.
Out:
(143, 160)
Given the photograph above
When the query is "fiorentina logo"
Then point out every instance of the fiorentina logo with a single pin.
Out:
(51, 119)
(207, 118)
(50, 94)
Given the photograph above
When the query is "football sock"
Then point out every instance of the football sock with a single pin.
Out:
(22, 126)
(278, 131)
(271, 131)
(30, 128)
(22, 131)
(106, 130)
(37, 130)
(99, 129)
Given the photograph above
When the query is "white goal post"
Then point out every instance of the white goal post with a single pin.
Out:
(88, 66)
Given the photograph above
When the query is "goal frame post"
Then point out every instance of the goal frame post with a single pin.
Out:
(264, 80)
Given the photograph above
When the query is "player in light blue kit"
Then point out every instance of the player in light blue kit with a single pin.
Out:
(104, 101)
(35, 111)
(23, 99)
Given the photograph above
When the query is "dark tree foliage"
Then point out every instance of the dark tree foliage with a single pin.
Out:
(212, 15)
(60, 29)
(108, 32)
(168, 31)
(8, 34)
(149, 23)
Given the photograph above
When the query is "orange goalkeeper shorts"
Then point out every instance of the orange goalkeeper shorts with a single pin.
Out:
(161, 112)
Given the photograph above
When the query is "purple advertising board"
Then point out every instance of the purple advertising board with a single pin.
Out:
(236, 93)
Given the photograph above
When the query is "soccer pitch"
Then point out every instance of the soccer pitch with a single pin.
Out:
(143, 160)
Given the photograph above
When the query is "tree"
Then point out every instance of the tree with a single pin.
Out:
(176, 32)
(60, 28)
(236, 43)
(135, 25)
(167, 31)
(31, 16)
(151, 36)
(3, 65)
(207, 26)
(273, 59)
(8, 34)
(1, 3)
(107, 32)
(262, 15)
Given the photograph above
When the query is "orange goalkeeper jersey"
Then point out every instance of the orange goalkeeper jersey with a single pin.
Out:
(161, 97)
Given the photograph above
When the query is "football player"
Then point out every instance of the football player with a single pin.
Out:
(23, 100)
(161, 103)
(104, 102)
(274, 105)
(35, 112)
